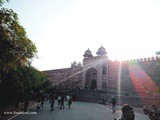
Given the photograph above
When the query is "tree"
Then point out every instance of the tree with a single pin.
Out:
(2, 1)
(14, 44)
(17, 76)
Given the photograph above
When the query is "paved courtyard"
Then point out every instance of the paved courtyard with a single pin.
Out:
(78, 111)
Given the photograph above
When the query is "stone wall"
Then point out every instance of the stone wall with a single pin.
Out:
(117, 77)
(65, 78)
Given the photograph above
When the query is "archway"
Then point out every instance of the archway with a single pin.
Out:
(91, 79)
(93, 84)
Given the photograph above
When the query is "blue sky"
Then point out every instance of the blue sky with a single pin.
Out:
(64, 29)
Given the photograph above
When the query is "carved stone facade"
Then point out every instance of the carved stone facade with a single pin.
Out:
(66, 78)
(95, 72)
(98, 72)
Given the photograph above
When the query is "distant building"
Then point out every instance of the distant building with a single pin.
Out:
(98, 72)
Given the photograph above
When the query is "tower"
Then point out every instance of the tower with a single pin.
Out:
(95, 69)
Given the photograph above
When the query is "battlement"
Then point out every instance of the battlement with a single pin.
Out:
(149, 59)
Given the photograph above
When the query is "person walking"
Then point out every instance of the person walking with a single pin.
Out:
(52, 100)
(59, 101)
(38, 105)
(113, 102)
(67, 97)
(127, 113)
(70, 101)
(62, 102)
(42, 100)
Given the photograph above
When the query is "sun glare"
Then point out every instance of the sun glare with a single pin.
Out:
(119, 82)
(143, 84)
(127, 29)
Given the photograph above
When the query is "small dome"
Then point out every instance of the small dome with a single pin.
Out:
(79, 64)
(88, 54)
(101, 51)
(74, 64)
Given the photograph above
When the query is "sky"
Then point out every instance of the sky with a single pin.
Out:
(63, 30)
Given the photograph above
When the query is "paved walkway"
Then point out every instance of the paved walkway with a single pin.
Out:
(136, 109)
(78, 111)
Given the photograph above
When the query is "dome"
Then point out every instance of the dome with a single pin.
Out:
(79, 64)
(74, 64)
(101, 51)
(88, 54)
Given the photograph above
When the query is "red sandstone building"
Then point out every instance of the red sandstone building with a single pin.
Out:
(100, 73)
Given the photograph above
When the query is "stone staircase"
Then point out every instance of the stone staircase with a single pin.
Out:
(89, 96)
(103, 98)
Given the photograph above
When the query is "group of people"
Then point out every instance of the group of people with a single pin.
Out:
(52, 98)
(127, 110)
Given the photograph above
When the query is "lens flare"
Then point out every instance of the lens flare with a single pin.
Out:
(119, 82)
(143, 84)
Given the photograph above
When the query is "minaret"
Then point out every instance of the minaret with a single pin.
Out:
(87, 55)
(101, 51)
(103, 63)
(97, 64)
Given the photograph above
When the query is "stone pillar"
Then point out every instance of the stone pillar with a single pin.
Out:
(83, 78)
(107, 73)
(99, 77)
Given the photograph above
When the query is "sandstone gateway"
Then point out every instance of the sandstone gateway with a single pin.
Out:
(100, 73)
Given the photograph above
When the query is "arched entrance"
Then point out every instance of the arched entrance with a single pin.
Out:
(93, 84)
(91, 79)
